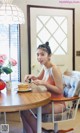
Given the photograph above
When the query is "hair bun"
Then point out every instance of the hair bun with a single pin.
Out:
(45, 47)
(47, 43)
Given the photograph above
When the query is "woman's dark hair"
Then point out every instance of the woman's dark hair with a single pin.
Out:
(45, 47)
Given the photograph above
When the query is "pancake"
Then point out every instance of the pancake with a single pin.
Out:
(23, 87)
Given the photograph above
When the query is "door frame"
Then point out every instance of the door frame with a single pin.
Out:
(29, 32)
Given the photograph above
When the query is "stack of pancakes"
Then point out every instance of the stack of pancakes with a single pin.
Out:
(23, 87)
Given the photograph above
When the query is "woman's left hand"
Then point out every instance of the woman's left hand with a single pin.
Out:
(38, 82)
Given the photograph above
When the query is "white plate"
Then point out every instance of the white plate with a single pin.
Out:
(28, 90)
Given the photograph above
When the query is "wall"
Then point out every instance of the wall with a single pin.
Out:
(55, 3)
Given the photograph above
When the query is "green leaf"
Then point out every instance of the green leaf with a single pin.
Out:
(1, 71)
(7, 70)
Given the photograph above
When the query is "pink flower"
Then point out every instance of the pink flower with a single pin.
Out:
(1, 61)
(3, 56)
(12, 62)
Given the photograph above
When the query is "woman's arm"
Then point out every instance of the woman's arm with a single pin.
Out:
(58, 87)
(30, 76)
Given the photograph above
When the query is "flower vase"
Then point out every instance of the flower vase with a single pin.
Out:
(8, 85)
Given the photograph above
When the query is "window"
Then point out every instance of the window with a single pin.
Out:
(10, 46)
(54, 28)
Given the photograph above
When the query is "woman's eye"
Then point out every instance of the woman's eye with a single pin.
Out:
(42, 54)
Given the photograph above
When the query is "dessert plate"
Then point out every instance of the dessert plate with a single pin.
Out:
(28, 90)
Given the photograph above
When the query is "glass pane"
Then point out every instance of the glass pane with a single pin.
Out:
(64, 26)
(53, 45)
(58, 19)
(44, 35)
(38, 42)
(59, 51)
(39, 25)
(44, 19)
(64, 45)
(51, 25)
(59, 35)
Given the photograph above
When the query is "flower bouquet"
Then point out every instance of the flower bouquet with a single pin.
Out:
(5, 67)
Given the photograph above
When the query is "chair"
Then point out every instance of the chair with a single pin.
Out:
(71, 93)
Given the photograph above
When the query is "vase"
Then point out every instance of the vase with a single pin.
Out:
(8, 85)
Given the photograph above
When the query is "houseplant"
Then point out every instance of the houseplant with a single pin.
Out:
(5, 67)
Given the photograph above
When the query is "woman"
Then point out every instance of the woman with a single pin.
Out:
(51, 78)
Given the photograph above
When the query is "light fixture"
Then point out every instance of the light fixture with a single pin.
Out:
(10, 14)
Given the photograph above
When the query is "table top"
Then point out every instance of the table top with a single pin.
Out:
(11, 100)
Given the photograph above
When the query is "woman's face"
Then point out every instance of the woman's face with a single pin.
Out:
(42, 56)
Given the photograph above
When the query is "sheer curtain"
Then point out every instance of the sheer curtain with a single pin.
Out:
(10, 46)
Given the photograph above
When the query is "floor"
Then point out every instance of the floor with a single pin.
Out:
(70, 124)
(14, 121)
(15, 124)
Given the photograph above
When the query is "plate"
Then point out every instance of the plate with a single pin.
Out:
(28, 90)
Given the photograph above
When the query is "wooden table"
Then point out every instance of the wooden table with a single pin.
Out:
(11, 101)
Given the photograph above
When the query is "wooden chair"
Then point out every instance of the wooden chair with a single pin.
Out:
(71, 98)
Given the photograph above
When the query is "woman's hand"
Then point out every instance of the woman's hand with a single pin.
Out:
(39, 82)
(28, 77)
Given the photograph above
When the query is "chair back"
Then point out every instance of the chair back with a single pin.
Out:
(71, 84)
